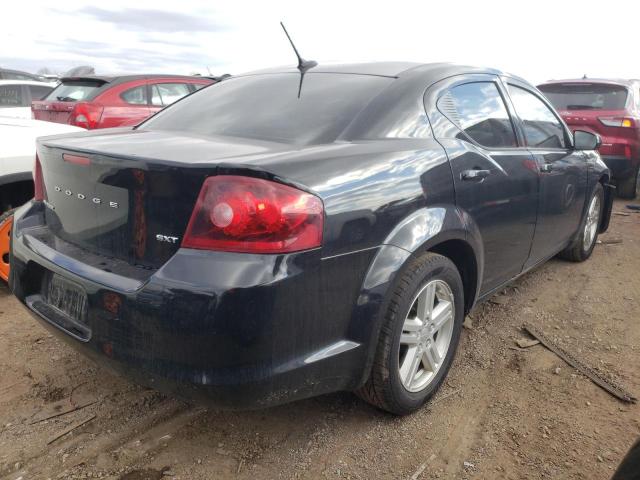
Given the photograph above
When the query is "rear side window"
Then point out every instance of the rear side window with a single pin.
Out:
(136, 95)
(586, 96)
(39, 92)
(11, 96)
(542, 129)
(73, 91)
(479, 111)
(167, 93)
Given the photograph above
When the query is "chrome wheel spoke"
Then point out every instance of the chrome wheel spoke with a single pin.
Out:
(409, 338)
(431, 358)
(410, 366)
(441, 315)
(425, 302)
(412, 325)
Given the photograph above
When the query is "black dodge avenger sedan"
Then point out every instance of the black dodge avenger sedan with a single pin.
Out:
(281, 235)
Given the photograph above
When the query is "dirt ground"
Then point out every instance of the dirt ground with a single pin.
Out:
(503, 412)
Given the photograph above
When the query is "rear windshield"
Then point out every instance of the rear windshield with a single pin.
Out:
(267, 107)
(73, 91)
(586, 96)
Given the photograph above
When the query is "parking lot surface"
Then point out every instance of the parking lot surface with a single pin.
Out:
(504, 412)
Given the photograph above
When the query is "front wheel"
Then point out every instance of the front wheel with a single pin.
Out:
(582, 246)
(419, 336)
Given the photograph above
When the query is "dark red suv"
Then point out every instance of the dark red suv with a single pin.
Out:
(102, 102)
(610, 108)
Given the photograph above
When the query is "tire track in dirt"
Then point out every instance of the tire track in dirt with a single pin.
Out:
(505, 412)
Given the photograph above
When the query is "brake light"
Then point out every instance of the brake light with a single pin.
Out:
(625, 122)
(39, 192)
(251, 215)
(86, 115)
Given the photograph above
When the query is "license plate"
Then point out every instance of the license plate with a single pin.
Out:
(67, 297)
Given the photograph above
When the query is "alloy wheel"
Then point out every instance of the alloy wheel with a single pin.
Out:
(591, 225)
(426, 335)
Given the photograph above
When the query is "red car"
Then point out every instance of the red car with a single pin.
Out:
(610, 108)
(101, 102)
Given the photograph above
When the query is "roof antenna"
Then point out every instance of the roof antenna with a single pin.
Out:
(303, 65)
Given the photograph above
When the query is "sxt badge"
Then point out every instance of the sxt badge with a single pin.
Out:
(167, 239)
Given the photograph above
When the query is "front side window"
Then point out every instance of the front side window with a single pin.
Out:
(11, 96)
(479, 111)
(542, 129)
(167, 93)
(136, 95)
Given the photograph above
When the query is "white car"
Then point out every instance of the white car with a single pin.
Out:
(17, 156)
(16, 96)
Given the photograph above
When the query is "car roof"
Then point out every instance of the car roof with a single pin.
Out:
(114, 79)
(27, 82)
(383, 69)
(388, 69)
(608, 81)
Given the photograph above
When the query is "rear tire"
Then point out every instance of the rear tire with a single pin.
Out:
(429, 289)
(582, 246)
(628, 187)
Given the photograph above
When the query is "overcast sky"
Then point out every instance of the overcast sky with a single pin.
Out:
(538, 40)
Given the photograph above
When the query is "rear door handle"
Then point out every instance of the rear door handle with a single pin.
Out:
(475, 174)
(546, 168)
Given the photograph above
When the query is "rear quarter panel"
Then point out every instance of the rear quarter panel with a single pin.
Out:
(369, 187)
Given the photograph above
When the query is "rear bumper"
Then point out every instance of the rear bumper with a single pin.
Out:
(621, 167)
(235, 330)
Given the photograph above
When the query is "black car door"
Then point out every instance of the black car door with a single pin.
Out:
(495, 178)
(563, 171)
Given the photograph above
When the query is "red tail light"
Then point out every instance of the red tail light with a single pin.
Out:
(625, 122)
(39, 192)
(86, 115)
(251, 215)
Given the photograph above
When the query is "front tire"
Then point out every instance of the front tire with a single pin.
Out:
(419, 336)
(582, 246)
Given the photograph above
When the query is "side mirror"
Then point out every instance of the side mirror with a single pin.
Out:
(586, 140)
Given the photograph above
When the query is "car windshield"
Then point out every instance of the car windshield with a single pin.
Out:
(586, 96)
(267, 107)
(73, 91)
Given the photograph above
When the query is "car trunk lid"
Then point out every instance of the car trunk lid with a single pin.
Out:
(129, 196)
